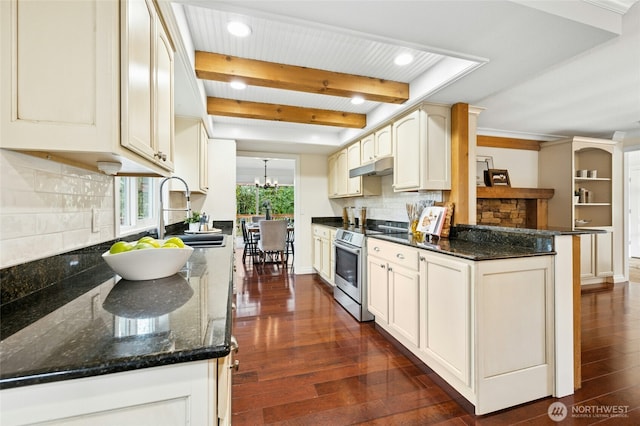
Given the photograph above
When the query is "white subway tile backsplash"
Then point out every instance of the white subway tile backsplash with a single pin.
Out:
(45, 208)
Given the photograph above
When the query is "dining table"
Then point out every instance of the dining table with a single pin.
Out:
(254, 231)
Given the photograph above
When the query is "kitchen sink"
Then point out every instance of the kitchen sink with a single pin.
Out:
(202, 240)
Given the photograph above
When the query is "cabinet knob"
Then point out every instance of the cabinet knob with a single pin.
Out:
(389, 268)
(376, 248)
(422, 258)
(235, 366)
(160, 156)
(382, 266)
(234, 344)
(400, 256)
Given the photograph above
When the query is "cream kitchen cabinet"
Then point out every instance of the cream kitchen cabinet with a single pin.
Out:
(147, 83)
(191, 162)
(178, 394)
(394, 268)
(422, 149)
(338, 174)
(340, 184)
(485, 327)
(445, 295)
(71, 109)
(376, 145)
(596, 261)
(354, 185)
(322, 251)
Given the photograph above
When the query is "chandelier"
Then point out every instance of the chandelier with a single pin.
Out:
(267, 181)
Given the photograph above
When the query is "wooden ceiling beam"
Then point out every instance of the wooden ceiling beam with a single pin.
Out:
(274, 112)
(218, 67)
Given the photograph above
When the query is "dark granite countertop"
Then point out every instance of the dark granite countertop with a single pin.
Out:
(110, 325)
(474, 242)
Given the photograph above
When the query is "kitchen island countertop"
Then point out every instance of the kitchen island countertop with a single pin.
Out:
(119, 325)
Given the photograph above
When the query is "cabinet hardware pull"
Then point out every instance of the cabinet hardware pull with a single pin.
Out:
(422, 258)
(236, 365)
(400, 256)
(376, 248)
(390, 269)
(382, 266)
(234, 344)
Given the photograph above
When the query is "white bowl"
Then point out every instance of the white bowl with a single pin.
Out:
(148, 264)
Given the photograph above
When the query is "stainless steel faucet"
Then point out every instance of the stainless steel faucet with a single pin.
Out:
(187, 195)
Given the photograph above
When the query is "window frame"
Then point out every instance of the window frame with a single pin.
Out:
(131, 194)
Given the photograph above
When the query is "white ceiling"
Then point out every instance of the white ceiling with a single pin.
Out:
(542, 69)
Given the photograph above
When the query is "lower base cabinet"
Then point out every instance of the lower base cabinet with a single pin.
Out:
(179, 394)
(323, 262)
(596, 258)
(485, 327)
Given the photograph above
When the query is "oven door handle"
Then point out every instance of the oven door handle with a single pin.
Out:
(346, 248)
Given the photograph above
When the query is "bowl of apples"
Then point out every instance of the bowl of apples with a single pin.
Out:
(147, 258)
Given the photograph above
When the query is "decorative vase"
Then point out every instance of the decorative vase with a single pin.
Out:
(194, 227)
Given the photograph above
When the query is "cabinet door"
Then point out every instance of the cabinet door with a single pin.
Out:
(333, 176)
(446, 314)
(317, 254)
(60, 72)
(164, 117)
(137, 76)
(404, 312)
(603, 255)
(435, 156)
(378, 289)
(367, 149)
(587, 264)
(326, 258)
(406, 162)
(342, 173)
(353, 160)
(384, 142)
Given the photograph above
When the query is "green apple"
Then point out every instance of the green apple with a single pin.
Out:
(175, 240)
(120, 247)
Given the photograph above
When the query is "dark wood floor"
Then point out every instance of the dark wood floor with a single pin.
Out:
(305, 361)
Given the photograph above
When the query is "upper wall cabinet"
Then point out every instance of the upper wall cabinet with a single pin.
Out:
(422, 149)
(191, 163)
(377, 145)
(340, 184)
(61, 72)
(147, 83)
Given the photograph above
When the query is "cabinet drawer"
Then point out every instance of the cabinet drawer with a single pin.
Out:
(321, 231)
(394, 253)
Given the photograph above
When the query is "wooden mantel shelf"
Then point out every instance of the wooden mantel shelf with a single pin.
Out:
(537, 203)
(509, 192)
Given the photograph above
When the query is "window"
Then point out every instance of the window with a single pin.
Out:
(138, 203)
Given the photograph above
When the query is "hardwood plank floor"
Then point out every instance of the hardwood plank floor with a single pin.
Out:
(305, 361)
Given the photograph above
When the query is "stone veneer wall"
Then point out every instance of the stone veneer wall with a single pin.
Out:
(46, 208)
(511, 213)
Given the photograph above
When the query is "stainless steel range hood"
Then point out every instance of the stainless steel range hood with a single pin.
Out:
(381, 167)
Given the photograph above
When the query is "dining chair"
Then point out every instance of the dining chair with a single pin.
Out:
(273, 239)
(256, 219)
(250, 242)
(290, 239)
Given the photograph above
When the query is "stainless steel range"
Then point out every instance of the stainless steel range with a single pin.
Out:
(350, 254)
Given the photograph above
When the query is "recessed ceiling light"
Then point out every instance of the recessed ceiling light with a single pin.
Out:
(357, 100)
(238, 29)
(238, 85)
(403, 59)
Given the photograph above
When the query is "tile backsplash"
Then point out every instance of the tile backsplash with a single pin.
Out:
(389, 205)
(46, 208)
